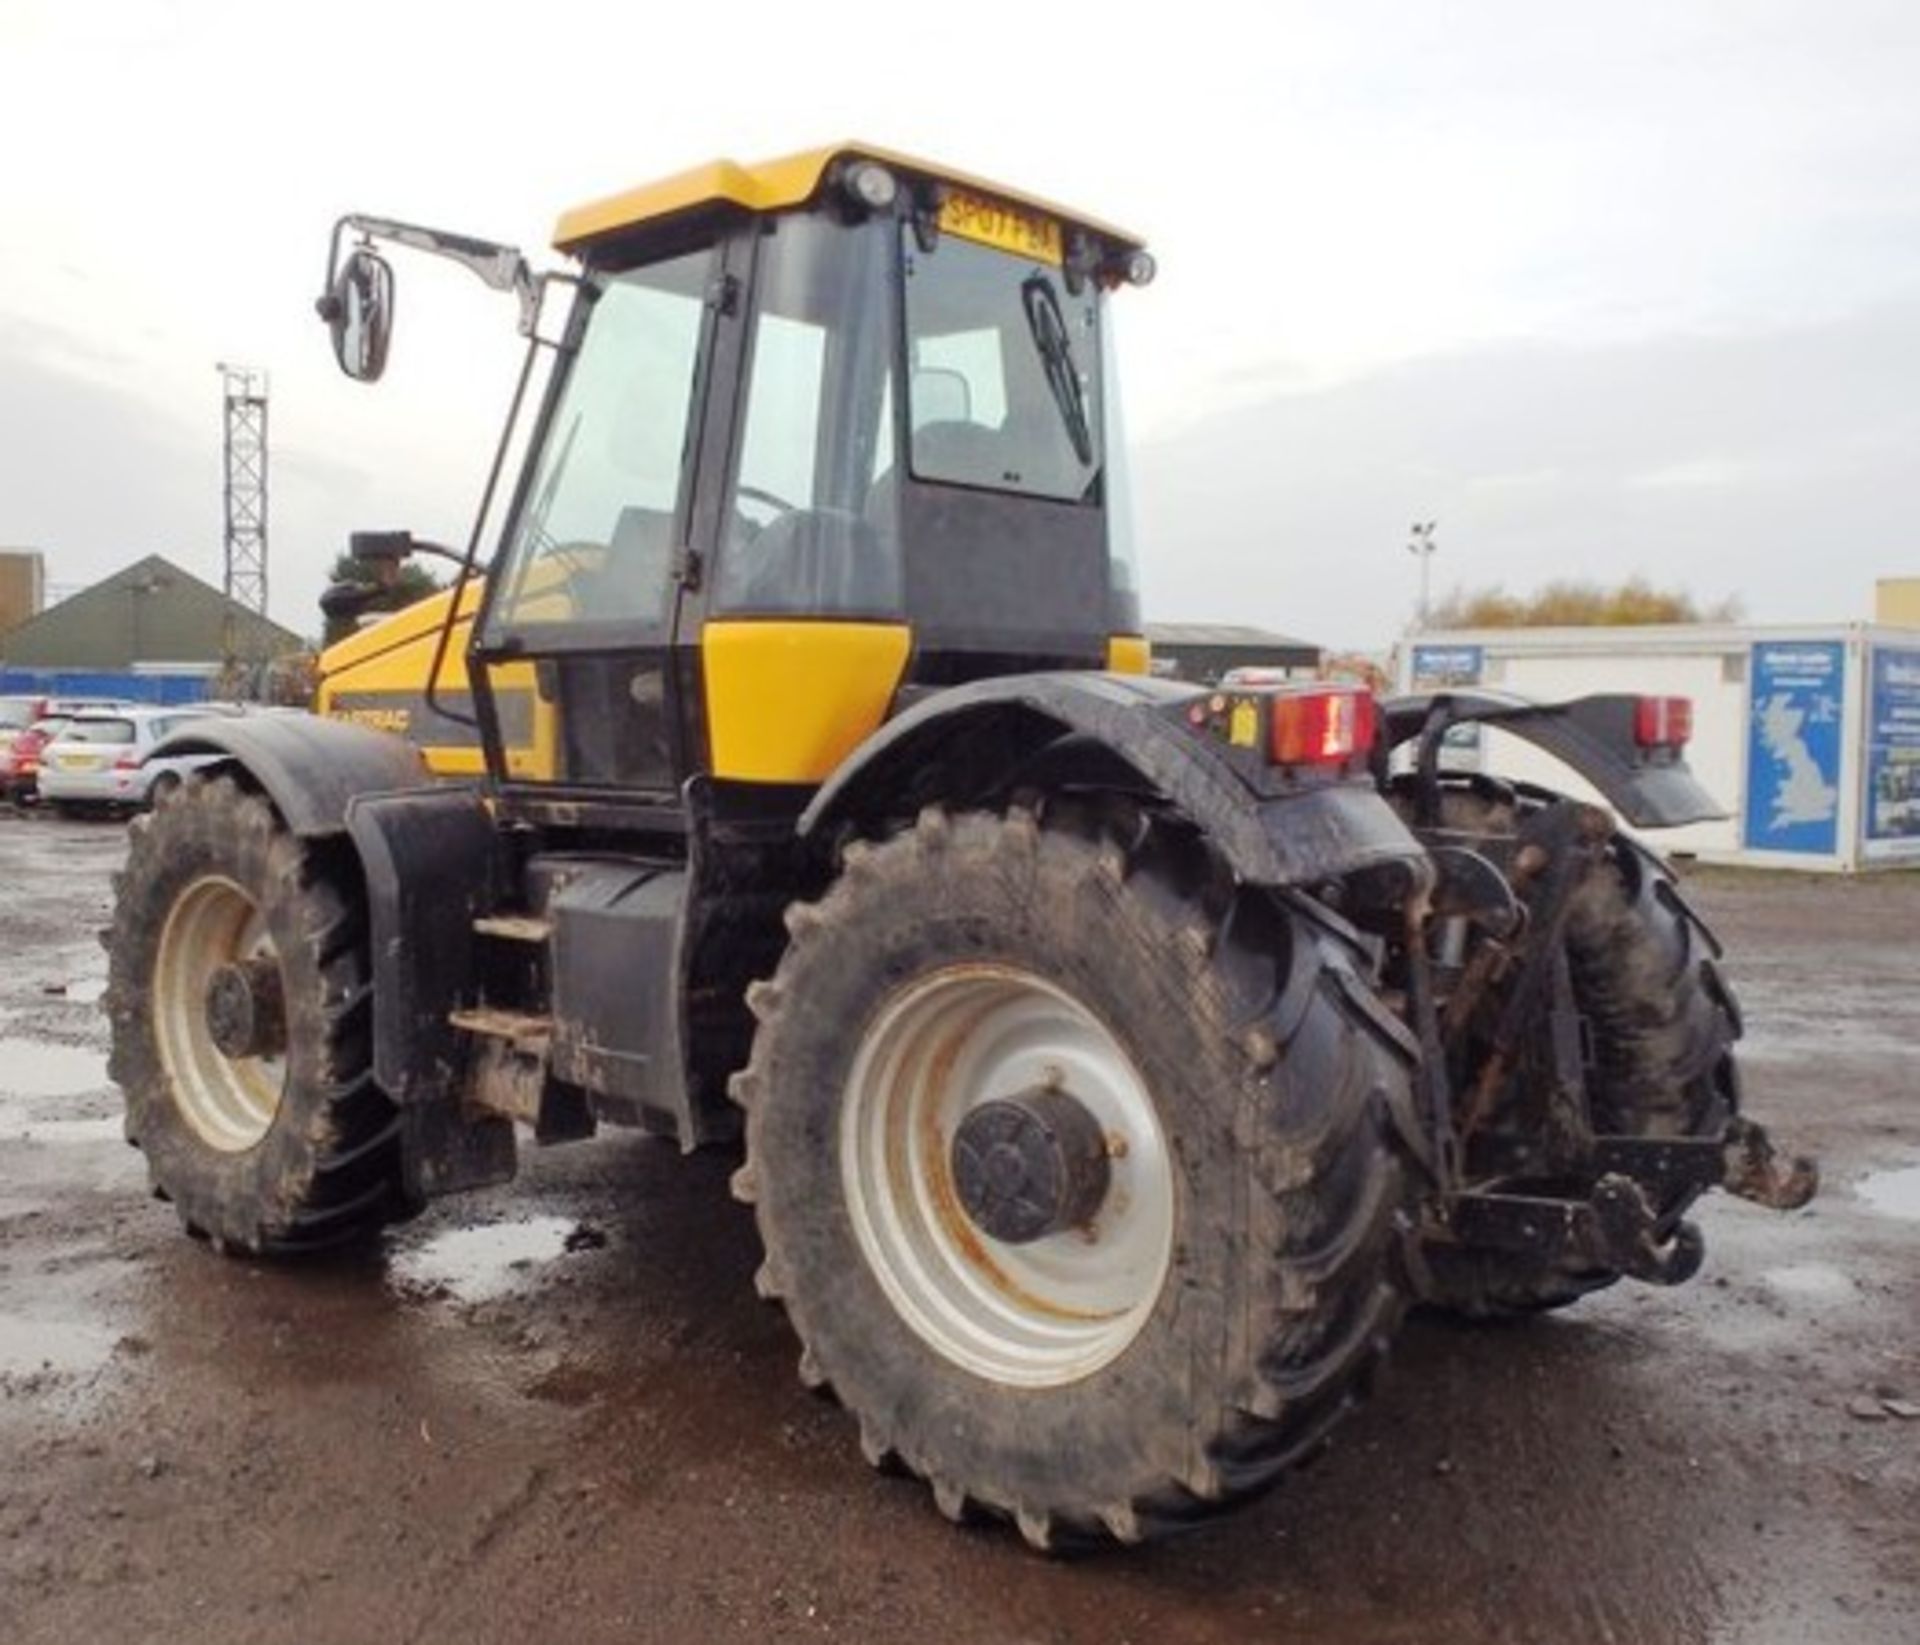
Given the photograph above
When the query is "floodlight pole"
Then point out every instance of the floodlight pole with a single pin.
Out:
(1421, 546)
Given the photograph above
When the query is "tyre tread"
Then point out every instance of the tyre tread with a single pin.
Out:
(1340, 1172)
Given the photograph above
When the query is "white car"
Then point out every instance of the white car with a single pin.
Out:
(99, 760)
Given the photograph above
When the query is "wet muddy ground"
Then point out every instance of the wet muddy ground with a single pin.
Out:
(556, 1411)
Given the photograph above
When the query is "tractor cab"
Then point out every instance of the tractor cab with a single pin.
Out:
(818, 435)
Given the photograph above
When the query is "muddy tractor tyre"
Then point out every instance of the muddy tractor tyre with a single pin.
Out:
(240, 1002)
(1077, 1170)
(1661, 1023)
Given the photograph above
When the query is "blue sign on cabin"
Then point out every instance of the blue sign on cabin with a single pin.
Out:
(1794, 699)
(1890, 821)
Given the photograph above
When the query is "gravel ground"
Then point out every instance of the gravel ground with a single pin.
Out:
(556, 1410)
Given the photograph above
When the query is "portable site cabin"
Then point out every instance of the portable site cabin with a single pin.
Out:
(1809, 735)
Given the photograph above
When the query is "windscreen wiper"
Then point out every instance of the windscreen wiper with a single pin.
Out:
(1049, 327)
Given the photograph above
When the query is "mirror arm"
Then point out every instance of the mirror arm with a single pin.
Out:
(501, 267)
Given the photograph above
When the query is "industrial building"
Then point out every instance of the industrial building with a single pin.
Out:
(1205, 651)
(23, 586)
(151, 633)
(1809, 735)
(1896, 602)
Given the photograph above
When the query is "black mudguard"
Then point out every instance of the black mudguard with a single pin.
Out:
(1299, 837)
(1650, 788)
(309, 767)
(429, 859)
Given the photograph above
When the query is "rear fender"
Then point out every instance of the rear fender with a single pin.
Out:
(1650, 788)
(966, 746)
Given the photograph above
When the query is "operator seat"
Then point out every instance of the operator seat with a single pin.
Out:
(813, 560)
(634, 583)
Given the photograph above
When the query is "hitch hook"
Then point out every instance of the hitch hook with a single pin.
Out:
(1755, 1171)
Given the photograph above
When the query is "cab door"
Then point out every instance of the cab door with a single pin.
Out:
(586, 604)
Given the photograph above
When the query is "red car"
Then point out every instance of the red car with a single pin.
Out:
(20, 758)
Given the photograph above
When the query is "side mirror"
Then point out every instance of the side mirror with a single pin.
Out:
(342, 602)
(359, 312)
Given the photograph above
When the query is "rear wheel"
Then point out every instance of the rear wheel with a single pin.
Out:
(239, 996)
(1660, 1025)
(1076, 1170)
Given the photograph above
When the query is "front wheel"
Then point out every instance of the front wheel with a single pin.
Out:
(241, 1006)
(1076, 1170)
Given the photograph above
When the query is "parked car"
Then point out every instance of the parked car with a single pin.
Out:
(16, 714)
(20, 753)
(98, 761)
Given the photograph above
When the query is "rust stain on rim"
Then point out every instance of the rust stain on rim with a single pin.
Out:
(933, 1152)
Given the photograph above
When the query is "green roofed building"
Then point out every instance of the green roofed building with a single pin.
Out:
(151, 622)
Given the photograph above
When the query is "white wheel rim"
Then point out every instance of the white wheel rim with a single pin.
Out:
(1038, 1314)
(229, 1101)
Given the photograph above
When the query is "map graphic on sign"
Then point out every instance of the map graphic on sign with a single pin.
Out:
(1793, 746)
(1802, 795)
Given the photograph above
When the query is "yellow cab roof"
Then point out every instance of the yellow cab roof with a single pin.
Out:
(776, 185)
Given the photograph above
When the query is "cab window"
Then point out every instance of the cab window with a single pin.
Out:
(598, 521)
(1004, 360)
(811, 524)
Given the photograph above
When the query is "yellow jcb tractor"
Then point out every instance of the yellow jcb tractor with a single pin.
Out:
(1111, 1060)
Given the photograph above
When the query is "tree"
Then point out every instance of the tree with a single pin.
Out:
(1569, 604)
(411, 582)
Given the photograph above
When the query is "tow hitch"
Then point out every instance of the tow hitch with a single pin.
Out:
(1616, 1226)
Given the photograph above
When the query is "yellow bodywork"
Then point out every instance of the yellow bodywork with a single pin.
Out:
(788, 701)
(779, 185)
(378, 677)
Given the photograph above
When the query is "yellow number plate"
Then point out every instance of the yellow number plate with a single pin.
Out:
(1005, 228)
(80, 762)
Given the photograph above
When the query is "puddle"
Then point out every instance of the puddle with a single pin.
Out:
(31, 1068)
(1894, 1193)
(55, 1133)
(32, 1346)
(1812, 1282)
(478, 1263)
(1778, 1040)
(15, 1206)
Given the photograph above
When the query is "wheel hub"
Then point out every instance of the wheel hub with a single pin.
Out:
(246, 1013)
(1006, 1174)
(1030, 1165)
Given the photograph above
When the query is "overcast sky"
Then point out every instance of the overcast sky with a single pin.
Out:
(1603, 289)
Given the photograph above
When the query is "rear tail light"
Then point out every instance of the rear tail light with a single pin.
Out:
(1322, 727)
(1663, 722)
(127, 762)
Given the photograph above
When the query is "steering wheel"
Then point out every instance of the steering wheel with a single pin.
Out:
(760, 494)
